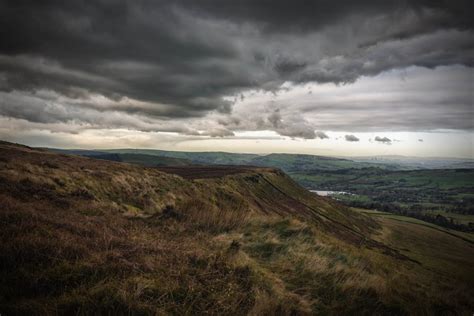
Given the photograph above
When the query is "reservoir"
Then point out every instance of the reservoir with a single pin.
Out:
(329, 193)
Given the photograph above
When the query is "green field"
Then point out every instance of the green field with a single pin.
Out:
(445, 195)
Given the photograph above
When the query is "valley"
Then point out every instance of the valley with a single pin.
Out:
(236, 158)
(85, 236)
(443, 195)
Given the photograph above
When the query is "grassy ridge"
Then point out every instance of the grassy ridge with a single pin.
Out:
(129, 157)
(286, 162)
(381, 183)
(82, 236)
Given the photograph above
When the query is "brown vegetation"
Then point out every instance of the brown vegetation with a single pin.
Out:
(207, 172)
(84, 236)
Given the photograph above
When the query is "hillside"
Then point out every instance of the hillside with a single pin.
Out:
(419, 162)
(82, 236)
(292, 162)
(397, 184)
(136, 158)
(206, 158)
(286, 162)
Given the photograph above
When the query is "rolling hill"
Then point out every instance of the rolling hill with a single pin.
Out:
(135, 158)
(286, 162)
(398, 184)
(89, 236)
(206, 158)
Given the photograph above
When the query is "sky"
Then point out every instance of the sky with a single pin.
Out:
(341, 78)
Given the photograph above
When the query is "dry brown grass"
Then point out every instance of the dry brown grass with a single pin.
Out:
(209, 217)
(87, 264)
(80, 236)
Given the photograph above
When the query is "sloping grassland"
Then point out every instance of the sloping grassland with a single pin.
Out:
(82, 236)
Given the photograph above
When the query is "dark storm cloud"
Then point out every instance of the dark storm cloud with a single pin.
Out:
(179, 59)
(351, 138)
(141, 50)
(302, 15)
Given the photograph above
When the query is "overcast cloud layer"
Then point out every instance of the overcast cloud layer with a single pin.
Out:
(214, 68)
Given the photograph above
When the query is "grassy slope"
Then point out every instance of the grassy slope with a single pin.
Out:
(303, 163)
(369, 180)
(82, 236)
(196, 157)
(373, 213)
(286, 162)
(135, 158)
(442, 250)
(152, 161)
(434, 248)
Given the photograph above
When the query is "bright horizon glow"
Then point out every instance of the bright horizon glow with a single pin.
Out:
(265, 142)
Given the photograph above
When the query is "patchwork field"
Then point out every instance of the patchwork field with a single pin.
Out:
(441, 196)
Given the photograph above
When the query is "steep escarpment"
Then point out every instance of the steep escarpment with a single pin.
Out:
(69, 181)
(82, 236)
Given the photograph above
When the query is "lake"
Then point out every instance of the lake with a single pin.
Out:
(328, 193)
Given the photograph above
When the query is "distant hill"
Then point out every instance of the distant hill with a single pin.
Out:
(90, 236)
(286, 162)
(419, 162)
(298, 162)
(220, 158)
(135, 158)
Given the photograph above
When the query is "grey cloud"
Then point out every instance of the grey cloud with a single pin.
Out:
(275, 119)
(219, 132)
(393, 102)
(188, 55)
(158, 55)
(292, 125)
(351, 138)
(390, 102)
(297, 131)
(384, 140)
(159, 61)
(420, 140)
(298, 16)
(54, 115)
(321, 135)
(392, 54)
(229, 121)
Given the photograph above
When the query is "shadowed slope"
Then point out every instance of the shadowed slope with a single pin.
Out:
(87, 236)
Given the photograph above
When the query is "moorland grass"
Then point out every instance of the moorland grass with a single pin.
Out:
(82, 236)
